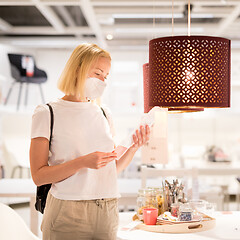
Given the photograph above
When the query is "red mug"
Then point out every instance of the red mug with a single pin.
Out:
(150, 216)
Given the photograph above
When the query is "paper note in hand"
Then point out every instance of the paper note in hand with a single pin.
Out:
(120, 150)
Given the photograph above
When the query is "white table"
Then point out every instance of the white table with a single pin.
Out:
(13, 187)
(227, 228)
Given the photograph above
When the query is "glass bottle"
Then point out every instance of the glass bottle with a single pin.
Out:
(146, 199)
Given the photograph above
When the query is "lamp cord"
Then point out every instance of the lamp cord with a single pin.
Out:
(189, 18)
(172, 20)
(154, 19)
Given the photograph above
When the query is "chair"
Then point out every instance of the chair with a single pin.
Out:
(24, 70)
(238, 194)
(2, 173)
(164, 173)
(12, 226)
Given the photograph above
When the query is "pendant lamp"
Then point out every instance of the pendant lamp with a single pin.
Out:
(147, 107)
(188, 72)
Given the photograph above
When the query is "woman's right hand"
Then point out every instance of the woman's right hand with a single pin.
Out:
(98, 160)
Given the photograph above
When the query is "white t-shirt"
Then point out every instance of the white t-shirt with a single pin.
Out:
(79, 128)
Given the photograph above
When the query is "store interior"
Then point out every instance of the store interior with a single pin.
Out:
(205, 144)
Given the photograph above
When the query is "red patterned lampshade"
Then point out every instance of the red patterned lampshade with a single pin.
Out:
(188, 72)
(146, 93)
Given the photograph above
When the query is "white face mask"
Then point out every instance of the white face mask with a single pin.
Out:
(94, 88)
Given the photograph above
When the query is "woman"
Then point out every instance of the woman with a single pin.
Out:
(81, 164)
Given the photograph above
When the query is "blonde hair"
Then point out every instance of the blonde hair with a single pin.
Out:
(72, 79)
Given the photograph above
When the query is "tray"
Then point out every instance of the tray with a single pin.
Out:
(187, 227)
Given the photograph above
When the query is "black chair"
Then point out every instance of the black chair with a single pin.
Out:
(20, 75)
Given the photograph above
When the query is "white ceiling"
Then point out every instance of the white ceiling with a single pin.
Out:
(131, 23)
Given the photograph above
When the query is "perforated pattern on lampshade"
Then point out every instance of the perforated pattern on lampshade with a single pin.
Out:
(189, 71)
(146, 93)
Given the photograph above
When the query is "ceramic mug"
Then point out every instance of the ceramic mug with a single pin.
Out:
(150, 216)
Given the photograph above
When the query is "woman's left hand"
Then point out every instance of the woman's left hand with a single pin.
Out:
(140, 137)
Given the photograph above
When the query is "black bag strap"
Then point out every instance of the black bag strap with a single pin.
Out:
(104, 113)
(51, 126)
(42, 191)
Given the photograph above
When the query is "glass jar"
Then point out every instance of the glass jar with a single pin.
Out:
(174, 209)
(198, 205)
(160, 200)
(185, 213)
(146, 199)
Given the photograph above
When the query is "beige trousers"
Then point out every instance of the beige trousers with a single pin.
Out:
(73, 220)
